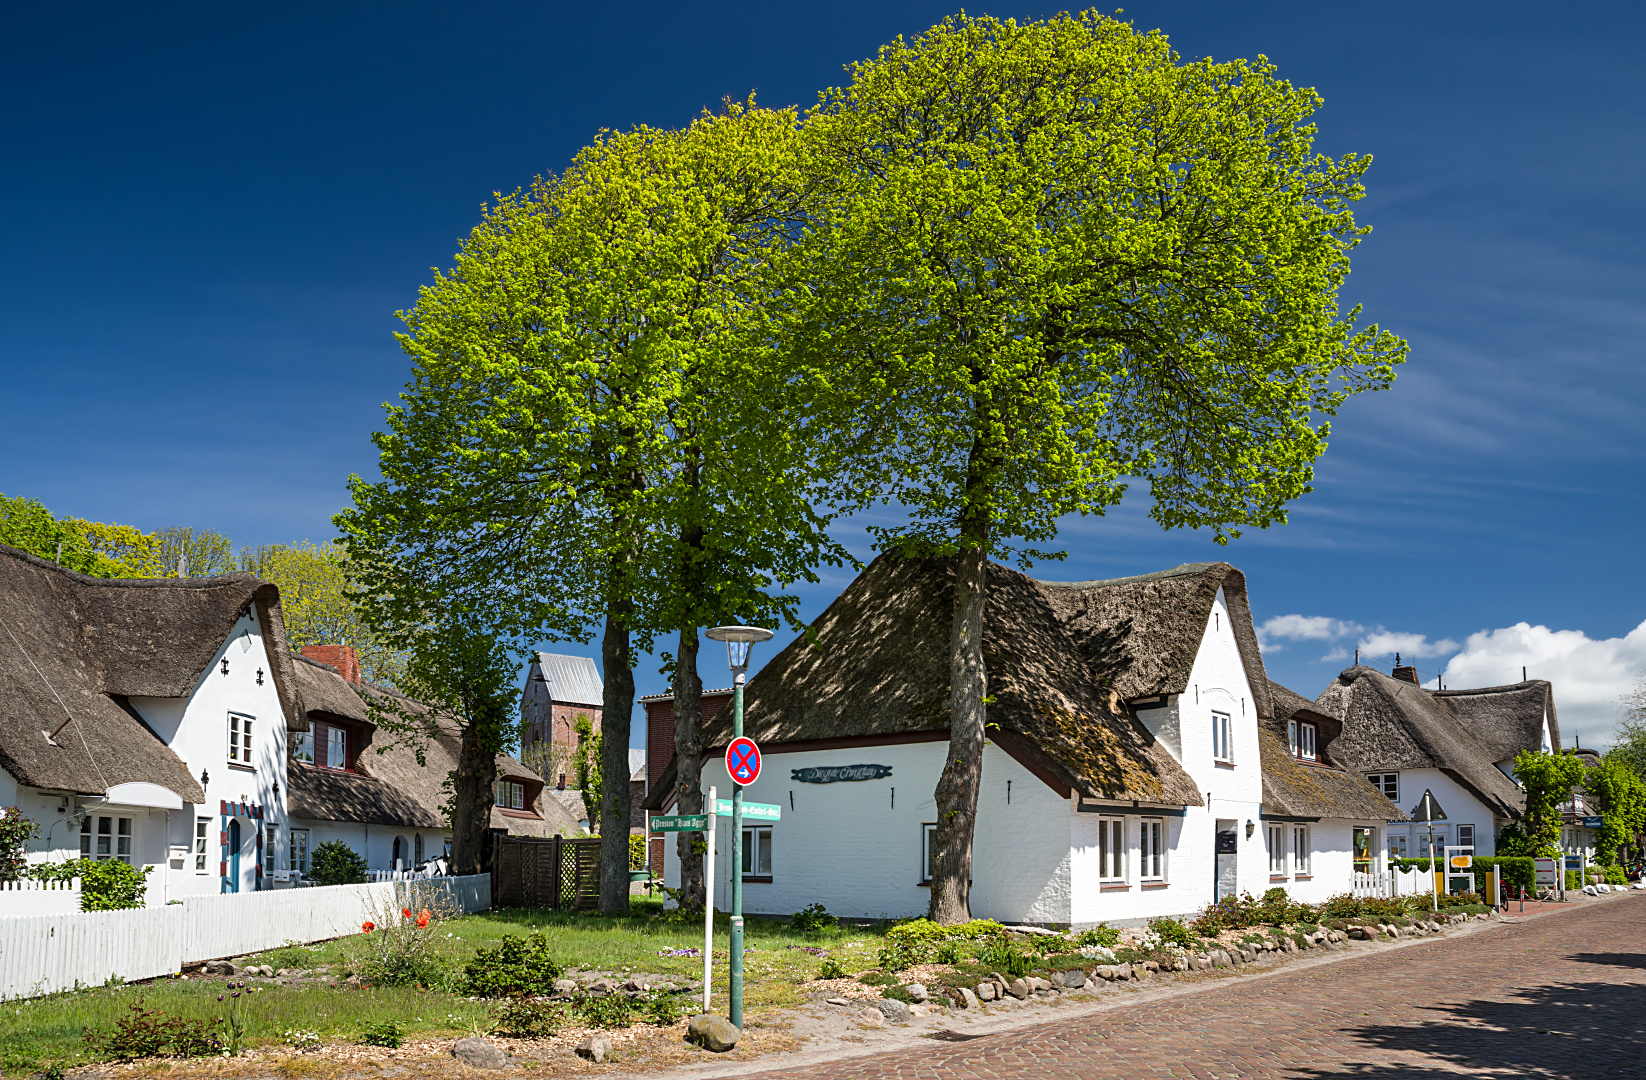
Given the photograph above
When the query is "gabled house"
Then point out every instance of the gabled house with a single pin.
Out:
(165, 723)
(1322, 824)
(1122, 779)
(1458, 744)
(559, 689)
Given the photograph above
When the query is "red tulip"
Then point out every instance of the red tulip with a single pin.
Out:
(406, 911)
(367, 927)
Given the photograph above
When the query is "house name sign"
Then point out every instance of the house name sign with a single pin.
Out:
(834, 774)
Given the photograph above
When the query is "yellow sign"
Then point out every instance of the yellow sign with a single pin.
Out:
(1462, 862)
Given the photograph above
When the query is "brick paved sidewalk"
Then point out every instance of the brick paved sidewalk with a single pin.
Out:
(1554, 997)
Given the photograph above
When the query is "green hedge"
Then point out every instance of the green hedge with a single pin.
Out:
(1517, 869)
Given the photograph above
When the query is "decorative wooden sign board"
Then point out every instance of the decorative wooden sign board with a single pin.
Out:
(834, 774)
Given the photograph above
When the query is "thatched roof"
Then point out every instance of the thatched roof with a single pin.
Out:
(880, 669)
(1390, 724)
(390, 786)
(78, 646)
(1294, 788)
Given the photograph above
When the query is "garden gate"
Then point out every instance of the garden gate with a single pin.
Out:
(552, 873)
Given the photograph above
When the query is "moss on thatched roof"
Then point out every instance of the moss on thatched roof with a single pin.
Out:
(1294, 788)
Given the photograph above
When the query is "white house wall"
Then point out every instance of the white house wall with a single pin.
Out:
(1460, 805)
(850, 847)
(374, 843)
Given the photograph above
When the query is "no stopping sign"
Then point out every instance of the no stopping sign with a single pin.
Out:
(743, 761)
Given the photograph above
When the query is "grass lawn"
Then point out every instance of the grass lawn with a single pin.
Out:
(37, 1033)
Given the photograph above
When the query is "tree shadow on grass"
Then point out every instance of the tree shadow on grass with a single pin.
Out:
(1555, 1032)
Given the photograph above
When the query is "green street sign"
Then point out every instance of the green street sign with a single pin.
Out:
(681, 823)
(756, 811)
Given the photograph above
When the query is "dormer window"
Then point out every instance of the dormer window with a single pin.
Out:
(326, 746)
(1302, 736)
(511, 795)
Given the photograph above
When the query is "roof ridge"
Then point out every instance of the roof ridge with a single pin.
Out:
(1181, 570)
(30, 558)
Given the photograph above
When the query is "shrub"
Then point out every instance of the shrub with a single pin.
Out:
(1102, 935)
(1006, 958)
(917, 941)
(1276, 907)
(1616, 875)
(813, 918)
(406, 944)
(637, 852)
(1228, 913)
(831, 969)
(145, 1033)
(15, 833)
(877, 978)
(111, 885)
(611, 1011)
(529, 1018)
(1172, 932)
(897, 993)
(336, 863)
(516, 966)
(665, 1009)
(382, 1033)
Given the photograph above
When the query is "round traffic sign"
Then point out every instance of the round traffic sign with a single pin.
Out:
(743, 761)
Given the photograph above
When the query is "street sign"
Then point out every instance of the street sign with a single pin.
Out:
(743, 761)
(1591, 822)
(1546, 870)
(1427, 809)
(755, 811)
(680, 823)
(1462, 862)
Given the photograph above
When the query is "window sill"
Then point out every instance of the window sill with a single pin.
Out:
(1118, 886)
(1156, 884)
(1224, 764)
(237, 767)
(1277, 877)
(511, 812)
(752, 879)
(1302, 877)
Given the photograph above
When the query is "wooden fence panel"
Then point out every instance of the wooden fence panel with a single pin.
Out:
(552, 873)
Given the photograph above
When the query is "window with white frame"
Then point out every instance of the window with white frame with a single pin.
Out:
(324, 745)
(1151, 850)
(1466, 839)
(1388, 783)
(1400, 845)
(1277, 850)
(757, 852)
(298, 856)
(271, 845)
(511, 795)
(1300, 849)
(1111, 849)
(928, 852)
(105, 838)
(1222, 737)
(202, 827)
(240, 739)
(1303, 740)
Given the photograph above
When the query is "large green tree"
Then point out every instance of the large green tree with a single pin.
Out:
(1619, 794)
(1059, 257)
(1547, 781)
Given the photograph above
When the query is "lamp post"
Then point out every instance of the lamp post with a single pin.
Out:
(738, 639)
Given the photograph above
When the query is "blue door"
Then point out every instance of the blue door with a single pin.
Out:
(234, 856)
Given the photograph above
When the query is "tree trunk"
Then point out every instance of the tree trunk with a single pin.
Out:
(957, 788)
(688, 765)
(472, 789)
(616, 706)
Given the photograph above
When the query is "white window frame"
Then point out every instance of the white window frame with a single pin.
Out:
(1277, 849)
(271, 850)
(755, 837)
(508, 792)
(1112, 863)
(1222, 738)
(1383, 781)
(1469, 845)
(1307, 748)
(297, 852)
(1403, 841)
(1152, 841)
(112, 837)
(928, 851)
(202, 833)
(240, 738)
(1302, 850)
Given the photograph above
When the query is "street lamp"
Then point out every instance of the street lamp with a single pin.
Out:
(739, 640)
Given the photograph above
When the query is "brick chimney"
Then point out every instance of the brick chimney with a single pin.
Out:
(1404, 674)
(341, 657)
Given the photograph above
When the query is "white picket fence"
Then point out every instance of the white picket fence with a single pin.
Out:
(1373, 884)
(43, 954)
(29, 897)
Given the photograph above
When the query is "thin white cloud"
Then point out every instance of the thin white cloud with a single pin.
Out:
(1589, 675)
(1387, 642)
(1306, 628)
(1337, 654)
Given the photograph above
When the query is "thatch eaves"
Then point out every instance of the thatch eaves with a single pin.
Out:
(1390, 724)
(1295, 788)
(879, 670)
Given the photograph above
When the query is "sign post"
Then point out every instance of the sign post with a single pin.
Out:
(1429, 811)
(708, 906)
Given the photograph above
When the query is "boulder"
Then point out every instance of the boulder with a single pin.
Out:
(479, 1053)
(918, 992)
(1151, 965)
(220, 967)
(1038, 986)
(985, 991)
(1018, 989)
(1106, 972)
(1072, 979)
(1289, 945)
(837, 1001)
(568, 987)
(917, 1010)
(893, 1010)
(968, 1000)
(1089, 984)
(1199, 963)
(596, 1048)
(634, 986)
(599, 988)
(871, 1018)
(713, 1033)
(1248, 956)
(1123, 972)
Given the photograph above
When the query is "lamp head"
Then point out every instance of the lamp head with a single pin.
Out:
(738, 639)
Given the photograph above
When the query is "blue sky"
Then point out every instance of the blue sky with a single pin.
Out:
(210, 214)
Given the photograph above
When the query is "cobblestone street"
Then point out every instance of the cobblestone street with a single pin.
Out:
(1563, 995)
